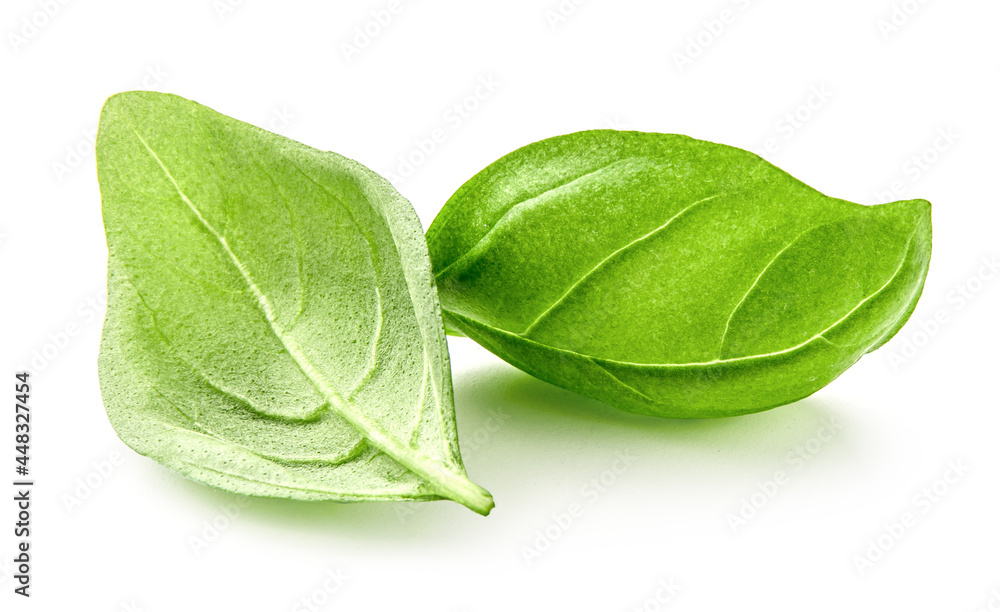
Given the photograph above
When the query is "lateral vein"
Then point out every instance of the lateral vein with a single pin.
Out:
(614, 254)
(527, 202)
(722, 343)
(819, 336)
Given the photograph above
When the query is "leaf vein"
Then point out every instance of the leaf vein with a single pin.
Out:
(419, 417)
(819, 336)
(386, 494)
(299, 260)
(620, 381)
(725, 332)
(604, 261)
(483, 242)
(372, 259)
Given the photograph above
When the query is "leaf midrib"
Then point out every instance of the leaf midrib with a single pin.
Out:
(448, 482)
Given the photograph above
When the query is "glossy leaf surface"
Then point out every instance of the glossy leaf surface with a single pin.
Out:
(671, 276)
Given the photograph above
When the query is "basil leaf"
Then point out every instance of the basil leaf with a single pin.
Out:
(671, 276)
(273, 327)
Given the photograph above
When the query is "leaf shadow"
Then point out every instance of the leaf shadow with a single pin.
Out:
(389, 521)
(521, 436)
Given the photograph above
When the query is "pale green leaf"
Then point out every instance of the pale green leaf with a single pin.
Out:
(273, 327)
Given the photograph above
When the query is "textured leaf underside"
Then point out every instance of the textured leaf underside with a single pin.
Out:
(273, 327)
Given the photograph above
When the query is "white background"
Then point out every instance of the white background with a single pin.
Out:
(126, 540)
